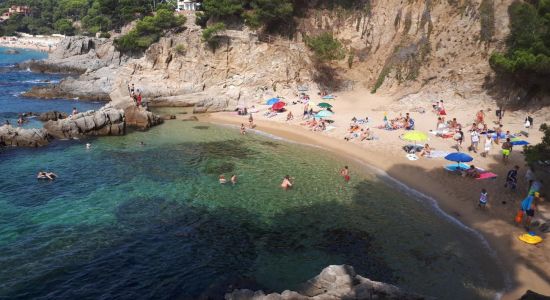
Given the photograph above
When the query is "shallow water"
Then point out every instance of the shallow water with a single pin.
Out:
(133, 222)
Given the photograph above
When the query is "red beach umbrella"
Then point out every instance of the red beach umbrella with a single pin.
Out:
(279, 105)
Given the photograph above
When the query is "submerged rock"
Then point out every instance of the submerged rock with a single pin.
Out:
(334, 282)
(52, 116)
(105, 121)
(21, 137)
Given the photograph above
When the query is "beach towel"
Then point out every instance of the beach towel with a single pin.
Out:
(486, 175)
(457, 167)
(329, 128)
(438, 154)
(411, 156)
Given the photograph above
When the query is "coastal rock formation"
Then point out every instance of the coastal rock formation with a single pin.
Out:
(334, 282)
(140, 118)
(105, 121)
(52, 116)
(20, 137)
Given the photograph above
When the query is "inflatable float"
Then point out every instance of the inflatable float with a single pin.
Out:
(530, 238)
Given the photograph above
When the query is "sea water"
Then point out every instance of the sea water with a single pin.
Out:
(143, 217)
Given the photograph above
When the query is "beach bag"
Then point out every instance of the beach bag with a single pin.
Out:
(519, 217)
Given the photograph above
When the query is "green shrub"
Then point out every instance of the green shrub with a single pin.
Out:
(325, 47)
(64, 26)
(211, 32)
(528, 53)
(180, 49)
(148, 31)
(534, 153)
(105, 35)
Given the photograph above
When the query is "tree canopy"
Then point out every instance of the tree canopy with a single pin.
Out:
(528, 46)
(541, 151)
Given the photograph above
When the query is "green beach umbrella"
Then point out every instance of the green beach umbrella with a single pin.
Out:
(415, 136)
(324, 105)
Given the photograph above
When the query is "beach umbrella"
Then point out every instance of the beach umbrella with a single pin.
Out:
(415, 136)
(279, 105)
(272, 101)
(459, 157)
(324, 105)
(520, 143)
(311, 104)
(324, 114)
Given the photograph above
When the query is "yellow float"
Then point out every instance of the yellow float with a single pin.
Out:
(530, 238)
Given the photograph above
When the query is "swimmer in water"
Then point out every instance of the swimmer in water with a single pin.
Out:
(88, 145)
(234, 179)
(345, 173)
(46, 175)
(142, 143)
(222, 179)
(286, 184)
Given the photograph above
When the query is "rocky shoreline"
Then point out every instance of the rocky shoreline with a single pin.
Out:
(334, 282)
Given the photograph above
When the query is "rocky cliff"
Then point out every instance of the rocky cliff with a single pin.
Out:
(334, 282)
(405, 49)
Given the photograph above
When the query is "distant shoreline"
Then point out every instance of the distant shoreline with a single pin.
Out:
(37, 43)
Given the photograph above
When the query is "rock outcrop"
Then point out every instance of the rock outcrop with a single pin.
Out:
(52, 116)
(140, 118)
(334, 282)
(105, 121)
(21, 137)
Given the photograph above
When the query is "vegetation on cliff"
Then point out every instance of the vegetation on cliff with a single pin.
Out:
(48, 17)
(325, 47)
(148, 31)
(527, 58)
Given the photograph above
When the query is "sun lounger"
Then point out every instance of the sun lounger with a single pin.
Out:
(486, 175)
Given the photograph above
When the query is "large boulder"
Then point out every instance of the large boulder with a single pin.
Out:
(21, 137)
(141, 118)
(53, 115)
(334, 282)
(105, 121)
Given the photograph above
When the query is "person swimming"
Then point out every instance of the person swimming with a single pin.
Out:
(345, 173)
(233, 179)
(286, 184)
(222, 179)
(88, 146)
(46, 175)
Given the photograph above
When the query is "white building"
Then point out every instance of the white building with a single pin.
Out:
(188, 5)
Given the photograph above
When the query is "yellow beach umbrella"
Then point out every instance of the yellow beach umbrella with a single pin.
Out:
(415, 136)
(311, 104)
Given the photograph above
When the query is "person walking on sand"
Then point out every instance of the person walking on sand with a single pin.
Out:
(483, 199)
(474, 135)
(345, 173)
(459, 137)
(480, 117)
(251, 121)
(233, 179)
(488, 145)
(506, 150)
(286, 184)
(512, 178)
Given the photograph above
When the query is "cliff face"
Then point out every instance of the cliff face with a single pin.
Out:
(407, 49)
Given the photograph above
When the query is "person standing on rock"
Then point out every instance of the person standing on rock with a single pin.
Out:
(138, 100)
(75, 112)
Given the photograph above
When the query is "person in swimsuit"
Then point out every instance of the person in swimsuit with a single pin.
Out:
(506, 150)
(345, 173)
(483, 198)
(46, 175)
(233, 179)
(243, 129)
(222, 179)
(480, 117)
(426, 151)
(286, 184)
(251, 121)
(512, 178)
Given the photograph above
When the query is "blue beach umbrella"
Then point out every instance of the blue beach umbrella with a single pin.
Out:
(520, 143)
(459, 157)
(324, 114)
(272, 101)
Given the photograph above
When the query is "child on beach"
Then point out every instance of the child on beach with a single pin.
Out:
(483, 198)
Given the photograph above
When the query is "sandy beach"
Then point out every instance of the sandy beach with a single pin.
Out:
(40, 43)
(528, 266)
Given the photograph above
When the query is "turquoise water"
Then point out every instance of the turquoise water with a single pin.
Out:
(139, 222)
